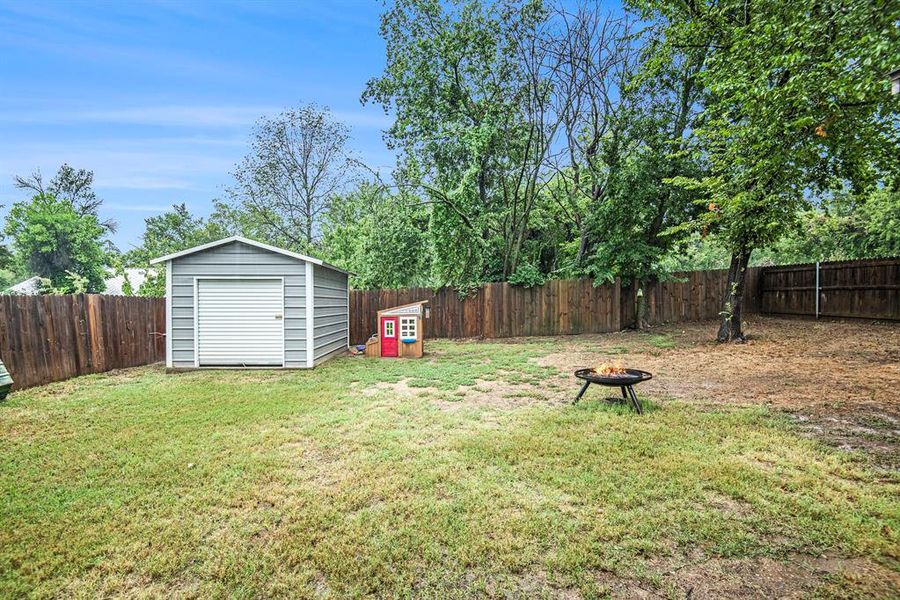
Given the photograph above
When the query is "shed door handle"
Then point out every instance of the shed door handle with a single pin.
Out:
(278, 317)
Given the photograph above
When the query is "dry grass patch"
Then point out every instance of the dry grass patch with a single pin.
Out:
(838, 379)
(466, 475)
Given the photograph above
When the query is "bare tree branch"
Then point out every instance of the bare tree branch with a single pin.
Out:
(297, 166)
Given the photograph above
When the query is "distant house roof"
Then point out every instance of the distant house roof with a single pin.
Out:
(29, 287)
(114, 283)
(249, 242)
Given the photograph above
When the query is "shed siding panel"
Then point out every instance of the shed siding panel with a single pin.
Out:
(237, 259)
(330, 312)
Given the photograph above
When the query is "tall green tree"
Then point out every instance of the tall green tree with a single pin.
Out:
(379, 236)
(845, 227)
(53, 240)
(7, 264)
(170, 232)
(530, 134)
(72, 185)
(796, 101)
(297, 164)
(628, 134)
(474, 124)
(598, 58)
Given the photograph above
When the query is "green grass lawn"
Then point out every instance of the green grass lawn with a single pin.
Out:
(322, 483)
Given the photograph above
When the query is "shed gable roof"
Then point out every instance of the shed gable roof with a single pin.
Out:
(249, 242)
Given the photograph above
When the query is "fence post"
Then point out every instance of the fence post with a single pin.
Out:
(617, 305)
(817, 289)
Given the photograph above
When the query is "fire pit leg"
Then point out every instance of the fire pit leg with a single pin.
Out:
(625, 394)
(635, 402)
(581, 392)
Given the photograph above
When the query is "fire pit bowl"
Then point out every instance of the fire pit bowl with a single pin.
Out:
(623, 380)
(629, 377)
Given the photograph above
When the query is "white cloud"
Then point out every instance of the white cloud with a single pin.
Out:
(198, 116)
(126, 164)
(184, 116)
(179, 115)
(75, 35)
(150, 208)
(138, 182)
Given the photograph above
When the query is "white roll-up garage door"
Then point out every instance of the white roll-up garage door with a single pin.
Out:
(240, 322)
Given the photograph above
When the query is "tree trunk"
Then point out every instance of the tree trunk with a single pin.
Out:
(640, 310)
(730, 327)
(517, 249)
(583, 243)
(506, 271)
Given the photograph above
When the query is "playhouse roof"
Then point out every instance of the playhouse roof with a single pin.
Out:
(413, 308)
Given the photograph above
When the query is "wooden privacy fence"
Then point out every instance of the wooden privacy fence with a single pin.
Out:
(500, 310)
(868, 289)
(689, 296)
(497, 310)
(859, 289)
(49, 338)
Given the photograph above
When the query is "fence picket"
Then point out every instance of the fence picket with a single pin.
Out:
(49, 338)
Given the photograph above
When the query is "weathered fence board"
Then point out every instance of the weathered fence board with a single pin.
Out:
(50, 338)
(496, 310)
(499, 310)
(856, 289)
(689, 296)
(867, 289)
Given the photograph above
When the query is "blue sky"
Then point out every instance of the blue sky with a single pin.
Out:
(158, 98)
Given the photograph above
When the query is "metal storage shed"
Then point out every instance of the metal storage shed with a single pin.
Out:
(241, 303)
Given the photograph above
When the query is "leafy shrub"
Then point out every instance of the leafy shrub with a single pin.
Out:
(527, 275)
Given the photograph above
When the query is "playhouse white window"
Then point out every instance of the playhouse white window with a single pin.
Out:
(408, 327)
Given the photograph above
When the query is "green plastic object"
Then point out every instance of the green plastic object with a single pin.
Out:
(5, 381)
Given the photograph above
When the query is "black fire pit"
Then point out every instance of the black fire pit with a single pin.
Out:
(620, 380)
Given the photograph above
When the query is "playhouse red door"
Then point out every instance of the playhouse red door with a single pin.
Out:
(389, 336)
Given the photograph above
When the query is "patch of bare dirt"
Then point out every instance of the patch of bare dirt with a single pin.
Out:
(532, 583)
(698, 577)
(496, 393)
(504, 395)
(113, 378)
(840, 380)
(795, 577)
(538, 583)
(401, 388)
(615, 586)
(311, 464)
(728, 505)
